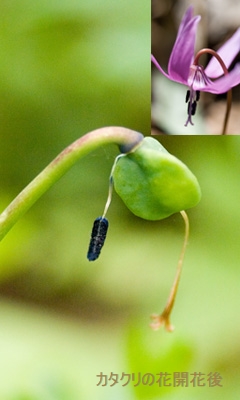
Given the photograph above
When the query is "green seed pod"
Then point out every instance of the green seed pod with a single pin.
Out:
(154, 184)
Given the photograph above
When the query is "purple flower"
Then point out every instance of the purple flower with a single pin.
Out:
(183, 69)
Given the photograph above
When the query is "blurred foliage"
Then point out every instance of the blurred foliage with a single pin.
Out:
(67, 68)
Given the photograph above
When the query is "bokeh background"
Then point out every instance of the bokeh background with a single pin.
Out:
(68, 68)
(217, 25)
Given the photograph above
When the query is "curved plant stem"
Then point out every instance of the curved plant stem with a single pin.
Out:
(110, 187)
(164, 318)
(225, 70)
(125, 138)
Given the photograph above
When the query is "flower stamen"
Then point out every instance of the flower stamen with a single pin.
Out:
(192, 97)
(197, 80)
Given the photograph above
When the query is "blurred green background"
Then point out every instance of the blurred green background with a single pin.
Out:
(68, 67)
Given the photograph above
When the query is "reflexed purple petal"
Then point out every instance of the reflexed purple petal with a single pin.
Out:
(224, 83)
(185, 19)
(159, 67)
(183, 50)
(227, 52)
(181, 59)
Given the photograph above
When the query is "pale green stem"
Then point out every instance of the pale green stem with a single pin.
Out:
(125, 138)
(164, 318)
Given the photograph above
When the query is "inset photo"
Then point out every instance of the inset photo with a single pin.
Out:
(195, 67)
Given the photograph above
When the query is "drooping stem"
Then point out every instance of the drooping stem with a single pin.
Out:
(225, 71)
(125, 138)
(164, 317)
(110, 187)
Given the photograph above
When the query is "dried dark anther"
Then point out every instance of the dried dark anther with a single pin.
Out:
(197, 95)
(187, 96)
(98, 236)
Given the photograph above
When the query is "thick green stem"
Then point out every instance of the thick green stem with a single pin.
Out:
(126, 139)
